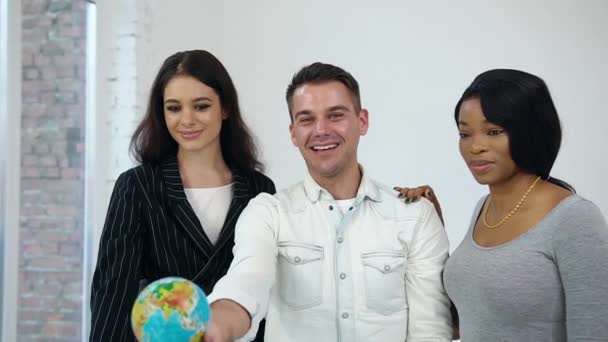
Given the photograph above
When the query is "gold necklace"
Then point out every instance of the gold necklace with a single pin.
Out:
(517, 206)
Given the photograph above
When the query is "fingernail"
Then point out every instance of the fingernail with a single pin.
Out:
(400, 195)
(407, 200)
(396, 188)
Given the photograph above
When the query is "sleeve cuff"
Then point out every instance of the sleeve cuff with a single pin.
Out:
(243, 299)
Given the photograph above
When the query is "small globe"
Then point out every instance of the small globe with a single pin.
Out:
(170, 309)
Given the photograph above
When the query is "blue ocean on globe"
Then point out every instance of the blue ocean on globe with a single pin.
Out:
(170, 310)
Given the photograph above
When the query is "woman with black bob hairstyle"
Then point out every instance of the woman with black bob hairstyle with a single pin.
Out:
(174, 214)
(521, 104)
(534, 263)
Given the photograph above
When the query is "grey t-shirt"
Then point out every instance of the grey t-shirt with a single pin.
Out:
(548, 284)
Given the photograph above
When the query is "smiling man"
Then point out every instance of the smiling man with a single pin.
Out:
(336, 257)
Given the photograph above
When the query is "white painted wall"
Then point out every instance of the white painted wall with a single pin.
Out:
(413, 60)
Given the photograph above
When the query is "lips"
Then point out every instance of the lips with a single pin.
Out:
(480, 166)
(190, 134)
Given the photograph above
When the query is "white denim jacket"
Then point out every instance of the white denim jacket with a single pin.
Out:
(370, 274)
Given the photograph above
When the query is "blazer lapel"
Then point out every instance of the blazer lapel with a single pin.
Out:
(180, 207)
(241, 194)
(240, 198)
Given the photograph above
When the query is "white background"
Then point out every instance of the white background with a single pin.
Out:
(412, 59)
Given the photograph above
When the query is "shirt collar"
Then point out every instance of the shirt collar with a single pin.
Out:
(367, 189)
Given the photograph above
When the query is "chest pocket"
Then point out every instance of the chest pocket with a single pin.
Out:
(299, 277)
(385, 281)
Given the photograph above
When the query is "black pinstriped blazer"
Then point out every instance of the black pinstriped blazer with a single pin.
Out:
(151, 232)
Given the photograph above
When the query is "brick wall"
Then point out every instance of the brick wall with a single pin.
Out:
(52, 169)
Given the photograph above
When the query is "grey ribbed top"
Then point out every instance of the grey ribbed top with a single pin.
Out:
(548, 284)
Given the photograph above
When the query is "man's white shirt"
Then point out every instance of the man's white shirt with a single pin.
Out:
(369, 272)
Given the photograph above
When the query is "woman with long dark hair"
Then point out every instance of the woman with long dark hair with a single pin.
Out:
(174, 214)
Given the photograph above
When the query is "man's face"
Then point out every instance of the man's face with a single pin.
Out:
(326, 127)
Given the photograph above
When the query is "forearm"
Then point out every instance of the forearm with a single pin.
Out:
(241, 296)
(112, 296)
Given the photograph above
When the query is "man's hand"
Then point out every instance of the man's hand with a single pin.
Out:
(229, 321)
(217, 332)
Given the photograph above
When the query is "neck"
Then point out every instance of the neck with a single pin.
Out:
(506, 194)
(343, 185)
(203, 169)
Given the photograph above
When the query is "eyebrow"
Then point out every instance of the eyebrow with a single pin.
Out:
(339, 107)
(485, 122)
(302, 112)
(330, 109)
(202, 98)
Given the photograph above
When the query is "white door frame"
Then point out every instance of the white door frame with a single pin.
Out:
(10, 163)
(90, 194)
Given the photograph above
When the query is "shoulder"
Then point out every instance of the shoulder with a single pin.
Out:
(255, 181)
(291, 199)
(139, 182)
(291, 196)
(261, 208)
(575, 208)
(390, 206)
(142, 175)
(261, 182)
(129, 177)
(479, 206)
(576, 218)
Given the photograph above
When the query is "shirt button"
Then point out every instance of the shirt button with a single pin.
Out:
(340, 240)
(331, 207)
(342, 276)
(351, 208)
(345, 315)
(387, 268)
(297, 260)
